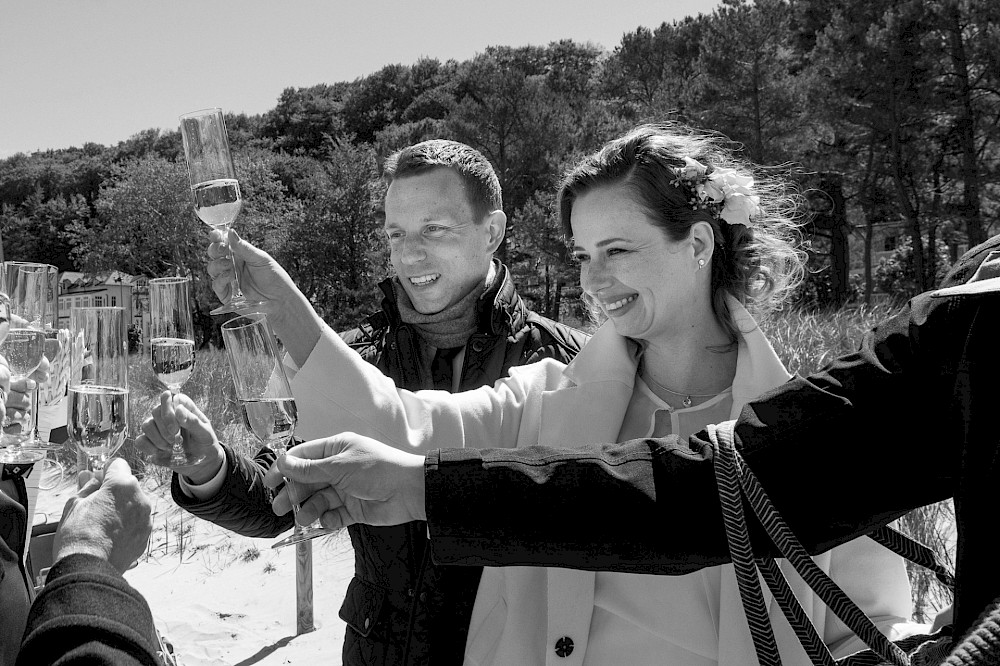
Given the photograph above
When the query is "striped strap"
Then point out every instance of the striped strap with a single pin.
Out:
(742, 555)
(730, 463)
(915, 552)
(811, 641)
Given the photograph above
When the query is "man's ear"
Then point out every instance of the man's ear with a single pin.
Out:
(497, 223)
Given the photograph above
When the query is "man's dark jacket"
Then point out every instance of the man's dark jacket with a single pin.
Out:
(88, 615)
(908, 420)
(401, 608)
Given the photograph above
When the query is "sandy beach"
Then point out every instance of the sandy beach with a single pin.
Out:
(226, 600)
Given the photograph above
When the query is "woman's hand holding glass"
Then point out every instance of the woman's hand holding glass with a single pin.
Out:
(178, 415)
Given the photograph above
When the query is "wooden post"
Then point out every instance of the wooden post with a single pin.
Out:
(303, 588)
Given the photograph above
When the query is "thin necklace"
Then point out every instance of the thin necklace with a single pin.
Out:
(687, 396)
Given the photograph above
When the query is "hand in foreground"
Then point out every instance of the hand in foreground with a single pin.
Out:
(109, 518)
(181, 415)
(347, 479)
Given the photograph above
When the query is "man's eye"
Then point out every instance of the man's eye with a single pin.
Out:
(579, 258)
(394, 235)
(616, 250)
(434, 230)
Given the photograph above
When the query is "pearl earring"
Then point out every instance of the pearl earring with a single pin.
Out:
(701, 264)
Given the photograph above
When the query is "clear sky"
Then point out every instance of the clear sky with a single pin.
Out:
(73, 71)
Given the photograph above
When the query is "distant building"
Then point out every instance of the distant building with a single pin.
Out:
(108, 289)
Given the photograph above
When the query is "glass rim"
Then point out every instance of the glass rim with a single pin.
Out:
(245, 320)
(120, 308)
(176, 279)
(200, 112)
(29, 263)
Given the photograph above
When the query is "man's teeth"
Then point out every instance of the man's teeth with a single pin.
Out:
(619, 303)
(424, 279)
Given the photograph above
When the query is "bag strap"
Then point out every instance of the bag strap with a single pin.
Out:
(735, 480)
(741, 553)
(915, 552)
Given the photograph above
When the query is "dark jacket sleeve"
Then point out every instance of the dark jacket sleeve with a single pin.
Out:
(839, 453)
(88, 614)
(243, 504)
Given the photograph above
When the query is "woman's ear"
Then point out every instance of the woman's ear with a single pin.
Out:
(703, 241)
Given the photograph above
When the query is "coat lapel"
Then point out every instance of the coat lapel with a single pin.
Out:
(591, 407)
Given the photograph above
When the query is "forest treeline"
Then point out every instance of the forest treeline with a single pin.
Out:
(883, 111)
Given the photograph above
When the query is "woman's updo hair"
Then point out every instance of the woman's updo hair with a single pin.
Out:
(759, 263)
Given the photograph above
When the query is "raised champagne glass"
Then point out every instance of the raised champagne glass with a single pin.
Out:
(24, 349)
(216, 191)
(265, 397)
(171, 345)
(98, 392)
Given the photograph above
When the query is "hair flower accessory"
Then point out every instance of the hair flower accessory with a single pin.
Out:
(727, 194)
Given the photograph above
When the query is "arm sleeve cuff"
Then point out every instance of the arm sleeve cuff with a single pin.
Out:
(208, 489)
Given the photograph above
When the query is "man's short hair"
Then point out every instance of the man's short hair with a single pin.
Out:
(481, 183)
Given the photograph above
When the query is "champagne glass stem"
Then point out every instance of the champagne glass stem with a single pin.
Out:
(236, 293)
(177, 455)
(33, 422)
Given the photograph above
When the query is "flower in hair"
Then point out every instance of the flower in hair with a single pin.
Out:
(728, 195)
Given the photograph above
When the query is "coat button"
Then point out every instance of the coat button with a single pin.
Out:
(368, 623)
(423, 597)
(477, 345)
(564, 646)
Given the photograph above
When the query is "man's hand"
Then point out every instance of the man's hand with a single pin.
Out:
(109, 518)
(180, 414)
(347, 479)
(262, 279)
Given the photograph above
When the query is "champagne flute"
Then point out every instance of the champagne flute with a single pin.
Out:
(51, 330)
(171, 345)
(98, 393)
(24, 347)
(266, 399)
(217, 198)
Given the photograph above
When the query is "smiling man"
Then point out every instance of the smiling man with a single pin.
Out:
(450, 319)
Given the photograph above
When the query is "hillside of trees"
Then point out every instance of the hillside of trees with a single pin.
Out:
(884, 111)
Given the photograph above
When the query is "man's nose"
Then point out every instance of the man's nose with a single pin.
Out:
(412, 250)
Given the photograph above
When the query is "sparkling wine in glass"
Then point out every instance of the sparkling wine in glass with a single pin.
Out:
(266, 399)
(97, 418)
(24, 348)
(216, 192)
(51, 330)
(171, 345)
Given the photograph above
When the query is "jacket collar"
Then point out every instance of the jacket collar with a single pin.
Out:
(611, 357)
(500, 311)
